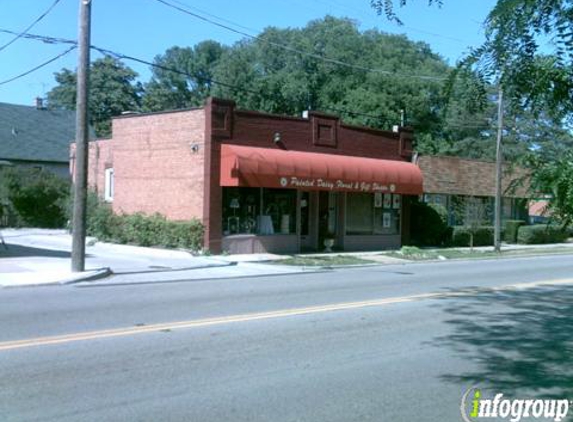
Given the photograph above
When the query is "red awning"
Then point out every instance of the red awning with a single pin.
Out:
(275, 168)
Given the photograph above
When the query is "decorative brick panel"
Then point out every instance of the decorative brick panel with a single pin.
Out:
(324, 130)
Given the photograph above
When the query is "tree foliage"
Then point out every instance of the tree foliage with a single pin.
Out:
(112, 90)
(555, 179)
(38, 198)
(290, 70)
(168, 90)
(289, 82)
(528, 47)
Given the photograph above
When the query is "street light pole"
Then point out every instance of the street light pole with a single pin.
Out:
(81, 163)
(498, 174)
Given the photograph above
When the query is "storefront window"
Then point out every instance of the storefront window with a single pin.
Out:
(373, 213)
(240, 210)
(387, 216)
(259, 211)
(279, 212)
(360, 208)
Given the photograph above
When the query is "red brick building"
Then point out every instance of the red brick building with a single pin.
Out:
(260, 182)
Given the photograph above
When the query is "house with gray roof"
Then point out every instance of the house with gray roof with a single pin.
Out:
(36, 137)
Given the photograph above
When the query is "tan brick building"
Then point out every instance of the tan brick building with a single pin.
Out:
(447, 179)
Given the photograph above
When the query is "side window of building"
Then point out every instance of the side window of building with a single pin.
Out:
(108, 188)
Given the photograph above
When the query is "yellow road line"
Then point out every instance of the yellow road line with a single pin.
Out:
(130, 331)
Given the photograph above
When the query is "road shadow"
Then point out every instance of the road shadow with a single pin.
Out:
(517, 340)
(18, 251)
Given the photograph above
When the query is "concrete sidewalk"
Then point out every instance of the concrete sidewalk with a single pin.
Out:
(42, 257)
(38, 257)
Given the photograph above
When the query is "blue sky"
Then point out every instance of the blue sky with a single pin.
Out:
(145, 28)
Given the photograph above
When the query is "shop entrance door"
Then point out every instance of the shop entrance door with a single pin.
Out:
(327, 218)
(318, 219)
(307, 222)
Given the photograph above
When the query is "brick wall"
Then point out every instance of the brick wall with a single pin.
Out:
(318, 133)
(456, 176)
(258, 130)
(156, 168)
(100, 157)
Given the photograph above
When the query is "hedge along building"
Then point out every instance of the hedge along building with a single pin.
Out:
(260, 182)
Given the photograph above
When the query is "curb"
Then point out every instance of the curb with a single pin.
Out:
(97, 274)
(193, 280)
(100, 273)
(81, 277)
(176, 269)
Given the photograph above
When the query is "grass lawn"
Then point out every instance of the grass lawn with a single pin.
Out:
(416, 254)
(323, 261)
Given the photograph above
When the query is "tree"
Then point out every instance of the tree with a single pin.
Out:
(555, 178)
(372, 91)
(113, 90)
(192, 82)
(470, 128)
(516, 34)
(472, 213)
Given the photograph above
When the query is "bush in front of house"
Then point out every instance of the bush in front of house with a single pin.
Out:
(428, 225)
(511, 229)
(142, 230)
(541, 233)
(34, 197)
(482, 236)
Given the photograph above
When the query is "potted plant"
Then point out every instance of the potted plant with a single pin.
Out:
(328, 241)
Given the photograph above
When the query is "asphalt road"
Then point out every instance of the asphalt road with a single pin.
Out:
(405, 344)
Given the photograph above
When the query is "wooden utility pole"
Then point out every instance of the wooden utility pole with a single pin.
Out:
(498, 174)
(82, 135)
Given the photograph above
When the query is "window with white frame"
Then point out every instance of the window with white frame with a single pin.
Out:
(108, 188)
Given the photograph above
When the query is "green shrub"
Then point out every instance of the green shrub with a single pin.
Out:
(541, 233)
(140, 229)
(511, 228)
(441, 211)
(34, 197)
(483, 236)
(100, 219)
(428, 225)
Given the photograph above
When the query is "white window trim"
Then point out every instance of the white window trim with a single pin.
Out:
(109, 185)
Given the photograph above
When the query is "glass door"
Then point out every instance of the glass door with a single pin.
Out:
(327, 217)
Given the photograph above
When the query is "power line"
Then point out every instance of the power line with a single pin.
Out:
(170, 69)
(294, 50)
(246, 28)
(106, 52)
(356, 113)
(53, 59)
(235, 88)
(341, 6)
(25, 31)
(121, 56)
(217, 82)
(43, 38)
